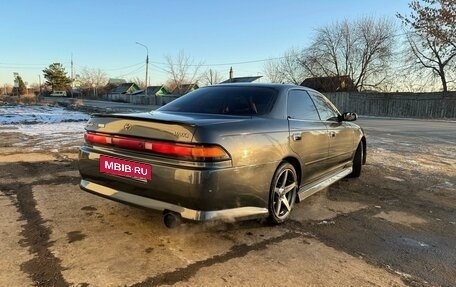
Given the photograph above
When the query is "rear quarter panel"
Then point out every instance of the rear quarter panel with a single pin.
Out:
(250, 142)
(256, 147)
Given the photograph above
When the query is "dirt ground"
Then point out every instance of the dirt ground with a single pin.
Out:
(394, 226)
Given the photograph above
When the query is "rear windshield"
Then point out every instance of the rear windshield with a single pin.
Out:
(248, 101)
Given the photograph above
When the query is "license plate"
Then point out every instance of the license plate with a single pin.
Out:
(125, 168)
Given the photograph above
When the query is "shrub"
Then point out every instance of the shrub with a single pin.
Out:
(27, 99)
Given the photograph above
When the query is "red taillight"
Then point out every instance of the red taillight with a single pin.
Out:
(97, 139)
(173, 149)
(186, 151)
(128, 143)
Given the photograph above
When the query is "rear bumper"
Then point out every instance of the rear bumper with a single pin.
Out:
(197, 192)
(197, 215)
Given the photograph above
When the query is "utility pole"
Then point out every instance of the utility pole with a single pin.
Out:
(72, 79)
(16, 84)
(147, 67)
(39, 82)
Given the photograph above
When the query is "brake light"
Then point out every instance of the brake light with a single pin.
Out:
(128, 143)
(97, 139)
(185, 151)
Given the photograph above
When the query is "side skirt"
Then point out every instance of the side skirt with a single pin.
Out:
(310, 189)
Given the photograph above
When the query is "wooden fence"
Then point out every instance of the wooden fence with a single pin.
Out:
(405, 105)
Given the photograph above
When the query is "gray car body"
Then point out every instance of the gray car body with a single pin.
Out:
(230, 189)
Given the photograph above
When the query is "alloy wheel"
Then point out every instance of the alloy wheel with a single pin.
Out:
(284, 193)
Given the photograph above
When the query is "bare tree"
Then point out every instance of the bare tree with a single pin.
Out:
(432, 39)
(7, 89)
(272, 71)
(211, 77)
(287, 69)
(409, 79)
(183, 70)
(362, 50)
(90, 78)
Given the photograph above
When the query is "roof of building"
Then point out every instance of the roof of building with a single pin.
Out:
(184, 88)
(330, 84)
(152, 90)
(116, 81)
(123, 88)
(241, 80)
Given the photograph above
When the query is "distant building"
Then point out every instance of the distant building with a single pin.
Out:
(330, 84)
(157, 91)
(116, 82)
(233, 79)
(183, 89)
(154, 96)
(123, 92)
(242, 80)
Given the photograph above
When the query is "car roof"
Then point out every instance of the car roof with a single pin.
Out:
(280, 87)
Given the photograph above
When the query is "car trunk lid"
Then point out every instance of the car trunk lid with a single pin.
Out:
(176, 127)
(142, 125)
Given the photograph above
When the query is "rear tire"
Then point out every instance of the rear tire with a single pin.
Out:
(282, 194)
(357, 161)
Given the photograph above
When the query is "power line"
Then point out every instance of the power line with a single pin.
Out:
(156, 64)
(25, 66)
(20, 64)
(114, 69)
(160, 68)
(226, 64)
(252, 61)
(125, 67)
(132, 72)
(20, 68)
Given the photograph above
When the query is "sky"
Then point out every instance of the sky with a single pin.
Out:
(102, 34)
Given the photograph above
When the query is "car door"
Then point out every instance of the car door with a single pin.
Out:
(308, 135)
(341, 134)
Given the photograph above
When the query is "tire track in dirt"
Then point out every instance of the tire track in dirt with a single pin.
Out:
(44, 268)
(186, 273)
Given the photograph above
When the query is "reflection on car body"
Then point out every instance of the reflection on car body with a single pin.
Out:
(232, 151)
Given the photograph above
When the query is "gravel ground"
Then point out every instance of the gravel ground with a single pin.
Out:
(394, 226)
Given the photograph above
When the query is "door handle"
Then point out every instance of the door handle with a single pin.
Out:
(332, 134)
(296, 136)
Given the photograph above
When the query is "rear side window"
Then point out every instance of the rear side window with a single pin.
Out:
(301, 107)
(246, 101)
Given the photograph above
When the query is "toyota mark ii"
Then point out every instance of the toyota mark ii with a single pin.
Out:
(229, 152)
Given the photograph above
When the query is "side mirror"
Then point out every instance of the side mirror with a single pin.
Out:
(349, 117)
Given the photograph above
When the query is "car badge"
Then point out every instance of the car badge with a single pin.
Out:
(127, 127)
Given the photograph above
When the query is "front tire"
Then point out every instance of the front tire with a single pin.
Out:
(282, 194)
(357, 161)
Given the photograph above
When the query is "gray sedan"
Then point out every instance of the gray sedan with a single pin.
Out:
(230, 152)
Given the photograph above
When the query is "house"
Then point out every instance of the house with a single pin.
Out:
(112, 83)
(154, 96)
(241, 80)
(331, 84)
(183, 89)
(123, 92)
(116, 82)
(233, 79)
(157, 91)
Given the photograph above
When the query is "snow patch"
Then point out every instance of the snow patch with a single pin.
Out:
(10, 115)
(43, 127)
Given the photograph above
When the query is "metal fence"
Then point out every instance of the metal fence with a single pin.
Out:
(406, 105)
